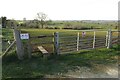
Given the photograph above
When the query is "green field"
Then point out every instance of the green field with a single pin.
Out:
(37, 67)
(8, 33)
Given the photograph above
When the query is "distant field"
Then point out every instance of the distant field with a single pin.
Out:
(8, 33)
(34, 32)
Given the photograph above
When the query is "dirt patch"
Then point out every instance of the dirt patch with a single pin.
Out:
(98, 71)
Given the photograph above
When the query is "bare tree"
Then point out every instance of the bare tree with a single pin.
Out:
(41, 17)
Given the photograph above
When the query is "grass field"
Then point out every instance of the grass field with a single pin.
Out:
(59, 65)
(8, 33)
(34, 32)
(37, 67)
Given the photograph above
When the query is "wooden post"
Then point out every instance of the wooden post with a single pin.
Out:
(56, 43)
(94, 40)
(29, 47)
(19, 45)
(77, 41)
(109, 39)
(106, 39)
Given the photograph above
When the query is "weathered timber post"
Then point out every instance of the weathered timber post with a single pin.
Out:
(29, 47)
(94, 39)
(19, 45)
(106, 39)
(78, 41)
(56, 43)
(109, 39)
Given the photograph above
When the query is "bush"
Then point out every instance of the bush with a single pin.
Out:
(48, 27)
(56, 28)
(67, 28)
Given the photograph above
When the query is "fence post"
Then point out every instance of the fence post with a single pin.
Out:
(106, 39)
(19, 45)
(77, 41)
(56, 43)
(94, 39)
(29, 47)
(109, 39)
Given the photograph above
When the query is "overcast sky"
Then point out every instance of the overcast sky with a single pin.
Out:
(61, 9)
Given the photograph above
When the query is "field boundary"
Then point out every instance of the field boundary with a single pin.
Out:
(64, 42)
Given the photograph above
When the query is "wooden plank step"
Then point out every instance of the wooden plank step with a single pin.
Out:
(42, 50)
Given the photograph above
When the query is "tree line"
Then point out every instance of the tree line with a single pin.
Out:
(41, 21)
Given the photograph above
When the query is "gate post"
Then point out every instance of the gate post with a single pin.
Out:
(29, 47)
(77, 41)
(109, 39)
(56, 43)
(106, 39)
(94, 40)
(19, 45)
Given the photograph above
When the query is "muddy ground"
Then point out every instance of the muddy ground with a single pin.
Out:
(99, 71)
